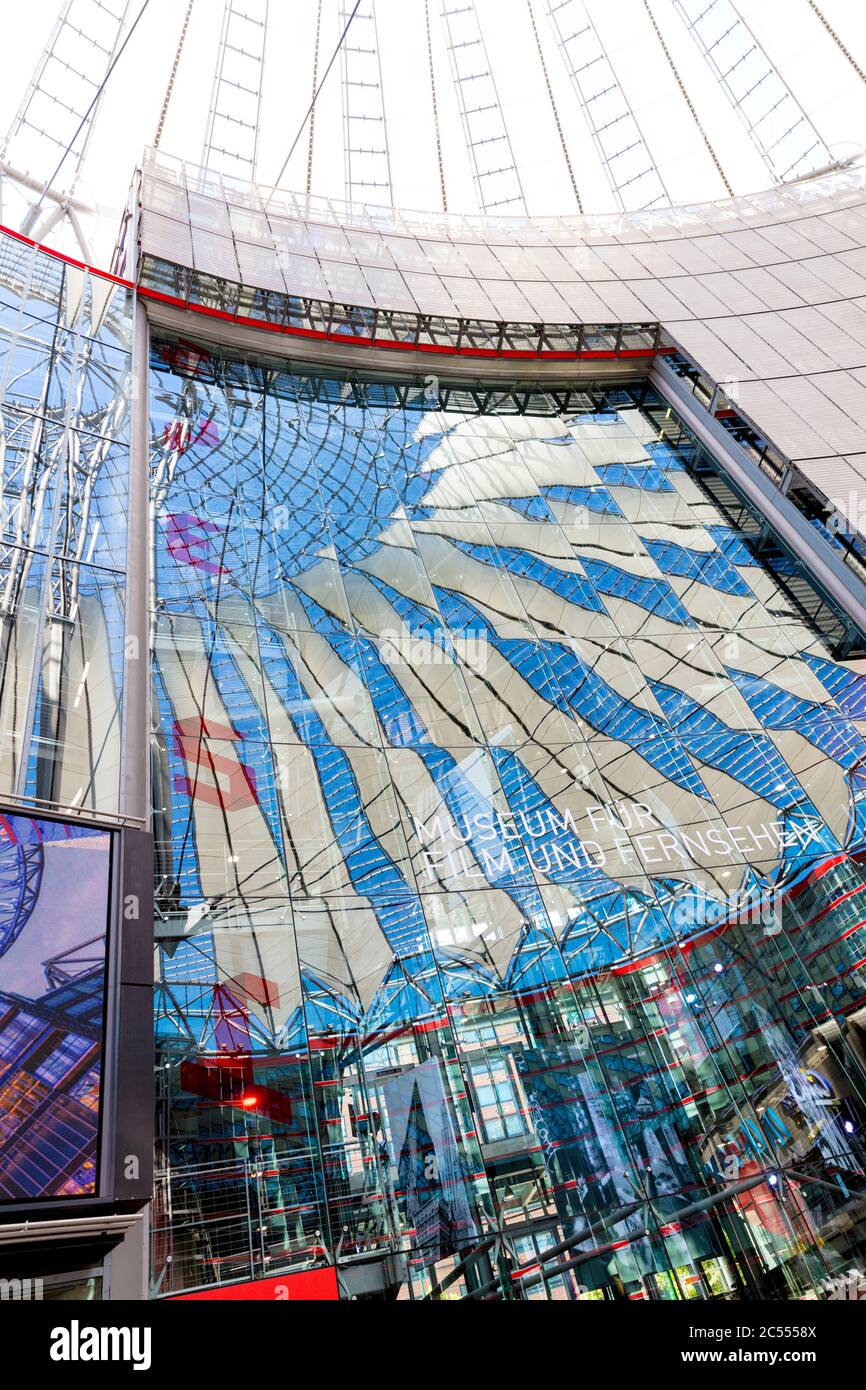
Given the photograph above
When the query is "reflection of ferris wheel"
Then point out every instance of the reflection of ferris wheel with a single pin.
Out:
(21, 865)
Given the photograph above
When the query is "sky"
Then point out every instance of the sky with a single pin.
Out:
(825, 83)
(71, 909)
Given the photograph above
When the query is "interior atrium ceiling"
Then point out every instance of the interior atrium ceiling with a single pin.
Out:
(501, 107)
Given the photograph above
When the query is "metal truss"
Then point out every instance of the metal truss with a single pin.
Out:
(56, 117)
(232, 134)
(387, 326)
(70, 965)
(365, 131)
(778, 126)
(21, 867)
(409, 394)
(497, 181)
(631, 171)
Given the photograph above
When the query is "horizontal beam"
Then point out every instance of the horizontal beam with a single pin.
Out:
(340, 351)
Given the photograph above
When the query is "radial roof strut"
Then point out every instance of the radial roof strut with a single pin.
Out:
(628, 164)
(315, 84)
(435, 106)
(172, 77)
(232, 134)
(365, 132)
(553, 106)
(785, 137)
(497, 181)
(54, 123)
(675, 73)
(310, 111)
(846, 52)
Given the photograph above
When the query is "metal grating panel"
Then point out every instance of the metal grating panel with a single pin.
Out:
(365, 132)
(628, 164)
(231, 138)
(497, 181)
(784, 136)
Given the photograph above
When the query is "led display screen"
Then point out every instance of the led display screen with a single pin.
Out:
(54, 900)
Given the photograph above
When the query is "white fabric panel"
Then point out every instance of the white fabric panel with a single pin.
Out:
(767, 288)
(303, 275)
(507, 300)
(389, 287)
(165, 198)
(715, 357)
(346, 283)
(469, 297)
(826, 419)
(810, 288)
(430, 294)
(846, 274)
(215, 255)
(660, 299)
(733, 293)
(631, 303)
(801, 350)
(164, 237)
(209, 214)
(752, 347)
(691, 257)
(789, 242)
(407, 253)
(700, 302)
(259, 267)
(822, 233)
(546, 302)
(585, 304)
(726, 256)
(850, 316)
(762, 404)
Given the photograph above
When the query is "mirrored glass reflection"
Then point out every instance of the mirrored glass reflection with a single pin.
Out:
(510, 845)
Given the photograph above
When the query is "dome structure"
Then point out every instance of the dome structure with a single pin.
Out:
(523, 109)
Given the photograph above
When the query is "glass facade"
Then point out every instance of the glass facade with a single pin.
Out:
(509, 818)
(65, 406)
(65, 363)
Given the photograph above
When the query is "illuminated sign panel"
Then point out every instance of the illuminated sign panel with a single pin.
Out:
(54, 901)
(311, 1286)
(75, 1004)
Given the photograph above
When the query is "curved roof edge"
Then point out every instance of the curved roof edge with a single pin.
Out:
(761, 298)
(183, 173)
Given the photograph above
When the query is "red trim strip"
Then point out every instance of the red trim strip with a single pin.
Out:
(67, 260)
(444, 349)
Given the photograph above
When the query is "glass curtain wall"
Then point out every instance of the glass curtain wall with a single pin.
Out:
(65, 344)
(510, 821)
(65, 352)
